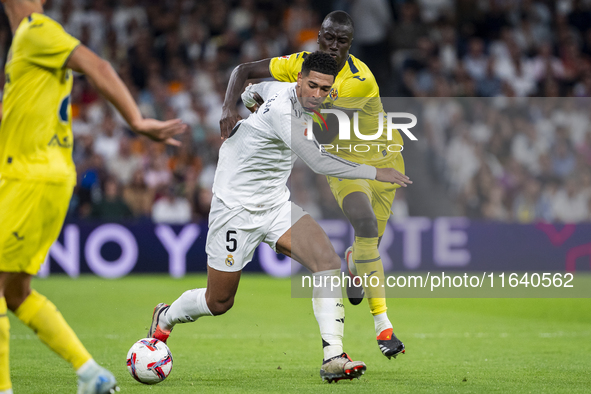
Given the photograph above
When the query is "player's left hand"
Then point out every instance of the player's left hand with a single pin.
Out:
(259, 101)
(161, 131)
(229, 119)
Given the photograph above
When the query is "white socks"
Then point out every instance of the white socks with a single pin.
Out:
(90, 365)
(190, 306)
(330, 313)
(326, 302)
(381, 322)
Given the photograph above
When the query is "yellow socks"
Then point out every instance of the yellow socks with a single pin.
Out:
(4, 347)
(42, 316)
(368, 262)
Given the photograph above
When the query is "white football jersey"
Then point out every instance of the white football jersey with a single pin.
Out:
(256, 161)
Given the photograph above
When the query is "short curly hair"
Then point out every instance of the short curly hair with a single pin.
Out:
(320, 62)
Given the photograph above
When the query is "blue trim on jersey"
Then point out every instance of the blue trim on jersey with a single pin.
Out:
(30, 18)
(354, 69)
(63, 111)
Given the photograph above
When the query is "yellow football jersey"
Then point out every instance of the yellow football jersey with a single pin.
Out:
(354, 88)
(36, 131)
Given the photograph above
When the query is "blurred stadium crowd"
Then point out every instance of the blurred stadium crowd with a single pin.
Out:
(512, 158)
(509, 158)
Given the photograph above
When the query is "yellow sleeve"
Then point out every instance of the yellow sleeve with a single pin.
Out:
(356, 92)
(286, 68)
(46, 43)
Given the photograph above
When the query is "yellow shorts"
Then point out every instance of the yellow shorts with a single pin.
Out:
(380, 194)
(32, 215)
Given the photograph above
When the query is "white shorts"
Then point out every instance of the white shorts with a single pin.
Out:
(235, 233)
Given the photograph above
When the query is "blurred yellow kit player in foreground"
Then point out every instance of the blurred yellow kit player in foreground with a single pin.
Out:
(37, 174)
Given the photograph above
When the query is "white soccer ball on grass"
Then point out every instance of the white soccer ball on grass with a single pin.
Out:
(149, 361)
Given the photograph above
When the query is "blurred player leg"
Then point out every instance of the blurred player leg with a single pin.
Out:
(5, 383)
(42, 316)
(37, 216)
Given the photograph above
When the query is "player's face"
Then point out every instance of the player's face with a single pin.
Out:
(314, 88)
(335, 40)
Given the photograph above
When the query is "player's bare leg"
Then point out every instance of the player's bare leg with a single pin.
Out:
(221, 290)
(367, 262)
(309, 245)
(216, 299)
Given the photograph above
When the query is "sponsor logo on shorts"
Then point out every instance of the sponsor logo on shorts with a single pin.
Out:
(230, 260)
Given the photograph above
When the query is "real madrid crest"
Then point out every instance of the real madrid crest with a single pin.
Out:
(230, 260)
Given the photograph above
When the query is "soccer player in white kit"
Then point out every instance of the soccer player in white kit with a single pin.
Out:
(251, 205)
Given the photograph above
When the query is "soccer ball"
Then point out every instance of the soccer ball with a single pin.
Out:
(149, 361)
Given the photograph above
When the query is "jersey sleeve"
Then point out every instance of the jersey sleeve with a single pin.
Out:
(47, 44)
(286, 68)
(294, 133)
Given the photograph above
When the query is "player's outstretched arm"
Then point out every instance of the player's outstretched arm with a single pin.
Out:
(392, 176)
(242, 73)
(105, 79)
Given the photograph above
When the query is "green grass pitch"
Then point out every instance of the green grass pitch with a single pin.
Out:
(270, 342)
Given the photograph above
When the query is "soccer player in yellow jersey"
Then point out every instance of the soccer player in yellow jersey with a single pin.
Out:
(37, 174)
(367, 204)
